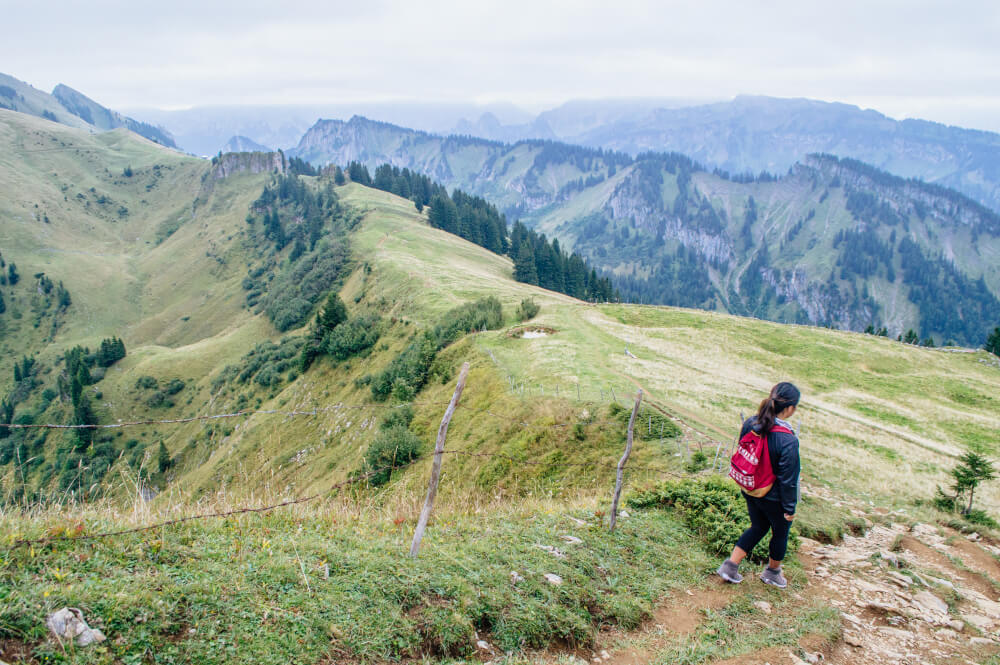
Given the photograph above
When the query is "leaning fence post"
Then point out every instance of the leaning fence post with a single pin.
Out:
(432, 488)
(621, 463)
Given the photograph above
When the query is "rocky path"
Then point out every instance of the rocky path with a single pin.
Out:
(917, 594)
(907, 595)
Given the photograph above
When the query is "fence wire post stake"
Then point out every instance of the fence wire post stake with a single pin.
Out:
(432, 488)
(715, 462)
(613, 397)
(619, 476)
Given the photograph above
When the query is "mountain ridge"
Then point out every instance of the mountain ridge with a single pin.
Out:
(609, 205)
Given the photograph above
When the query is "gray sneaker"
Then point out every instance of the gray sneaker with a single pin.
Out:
(774, 578)
(729, 571)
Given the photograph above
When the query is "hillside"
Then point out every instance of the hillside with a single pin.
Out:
(74, 109)
(846, 245)
(208, 279)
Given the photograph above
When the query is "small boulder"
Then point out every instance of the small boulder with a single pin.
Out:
(68, 624)
(515, 577)
(553, 579)
(763, 606)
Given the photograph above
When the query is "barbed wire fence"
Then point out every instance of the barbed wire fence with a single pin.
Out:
(637, 419)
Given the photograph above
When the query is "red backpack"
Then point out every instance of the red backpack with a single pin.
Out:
(750, 466)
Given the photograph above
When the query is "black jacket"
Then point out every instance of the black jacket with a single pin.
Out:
(783, 450)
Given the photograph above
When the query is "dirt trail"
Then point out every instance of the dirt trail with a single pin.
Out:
(907, 595)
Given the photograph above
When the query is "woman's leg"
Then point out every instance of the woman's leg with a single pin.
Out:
(759, 526)
(779, 534)
(778, 545)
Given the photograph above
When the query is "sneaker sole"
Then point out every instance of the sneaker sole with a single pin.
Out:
(774, 584)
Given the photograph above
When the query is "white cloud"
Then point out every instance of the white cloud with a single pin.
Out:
(901, 57)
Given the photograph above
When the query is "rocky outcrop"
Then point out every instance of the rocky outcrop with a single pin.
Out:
(232, 163)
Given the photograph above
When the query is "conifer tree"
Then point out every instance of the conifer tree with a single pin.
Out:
(993, 342)
(334, 313)
(524, 264)
(972, 470)
(163, 461)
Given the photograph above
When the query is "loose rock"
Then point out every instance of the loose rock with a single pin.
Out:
(554, 579)
(763, 606)
(68, 624)
(931, 602)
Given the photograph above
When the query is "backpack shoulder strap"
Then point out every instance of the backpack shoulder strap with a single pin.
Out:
(782, 429)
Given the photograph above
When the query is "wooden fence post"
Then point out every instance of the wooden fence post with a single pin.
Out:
(432, 488)
(621, 463)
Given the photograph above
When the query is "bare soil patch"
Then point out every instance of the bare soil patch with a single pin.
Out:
(530, 331)
(928, 554)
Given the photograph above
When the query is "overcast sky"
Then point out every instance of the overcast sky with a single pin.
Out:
(934, 60)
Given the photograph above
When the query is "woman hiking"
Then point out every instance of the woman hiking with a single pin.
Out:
(770, 484)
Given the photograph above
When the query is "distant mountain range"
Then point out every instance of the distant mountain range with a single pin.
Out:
(746, 134)
(831, 242)
(69, 107)
(754, 134)
(205, 130)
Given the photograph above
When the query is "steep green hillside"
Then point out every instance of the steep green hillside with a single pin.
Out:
(832, 243)
(104, 118)
(213, 260)
(17, 95)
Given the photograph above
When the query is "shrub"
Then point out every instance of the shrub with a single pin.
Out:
(394, 446)
(353, 337)
(290, 298)
(485, 313)
(698, 462)
(146, 383)
(407, 373)
(711, 507)
(174, 387)
(528, 309)
(401, 417)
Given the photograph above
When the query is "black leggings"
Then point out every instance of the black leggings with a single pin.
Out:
(765, 515)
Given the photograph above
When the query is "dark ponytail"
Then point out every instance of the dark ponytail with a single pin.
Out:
(782, 396)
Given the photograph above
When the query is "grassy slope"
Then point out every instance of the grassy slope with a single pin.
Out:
(872, 409)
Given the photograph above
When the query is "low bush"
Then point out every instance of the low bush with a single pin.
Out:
(408, 372)
(353, 337)
(394, 446)
(483, 314)
(528, 309)
(146, 383)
